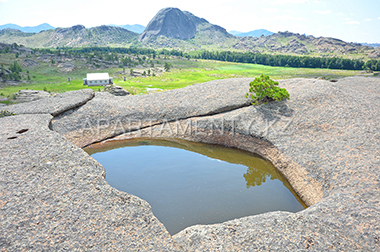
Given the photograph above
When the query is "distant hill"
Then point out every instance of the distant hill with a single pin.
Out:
(28, 29)
(295, 43)
(75, 36)
(374, 45)
(255, 33)
(135, 28)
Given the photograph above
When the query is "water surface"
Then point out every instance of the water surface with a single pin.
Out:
(189, 183)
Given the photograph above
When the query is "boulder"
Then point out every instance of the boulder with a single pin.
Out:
(67, 66)
(30, 63)
(116, 90)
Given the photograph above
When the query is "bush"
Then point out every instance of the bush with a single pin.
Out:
(263, 90)
(4, 113)
(167, 66)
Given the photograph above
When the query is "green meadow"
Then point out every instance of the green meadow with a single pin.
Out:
(183, 73)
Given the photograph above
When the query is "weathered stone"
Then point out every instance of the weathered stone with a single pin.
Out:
(55, 104)
(325, 140)
(30, 95)
(47, 203)
(116, 90)
(30, 63)
(125, 113)
(67, 66)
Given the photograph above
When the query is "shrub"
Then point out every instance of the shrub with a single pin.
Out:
(4, 113)
(263, 90)
(167, 66)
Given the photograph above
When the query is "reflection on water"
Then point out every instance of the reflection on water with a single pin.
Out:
(255, 177)
(189, 183)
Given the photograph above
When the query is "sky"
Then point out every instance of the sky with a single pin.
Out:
(349, 20)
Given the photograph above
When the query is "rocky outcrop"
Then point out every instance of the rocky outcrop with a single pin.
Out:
(116, 90)
(288, 42)
(30, 95)
(66, 67)
(171, 23)
(375, 53)
(325, 140)
(176, 24)
(54, 104)
(30, 63)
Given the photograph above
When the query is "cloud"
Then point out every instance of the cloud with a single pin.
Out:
(378, 18)
(323, 12)
(269, 10)
(292, 11)
(352, 22)
(368, 19)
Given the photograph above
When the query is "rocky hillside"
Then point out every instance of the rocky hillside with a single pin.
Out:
(294, 43)
(75, 36)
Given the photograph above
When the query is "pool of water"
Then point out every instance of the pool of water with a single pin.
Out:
(189, 183)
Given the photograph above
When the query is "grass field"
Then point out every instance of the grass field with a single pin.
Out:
(184, 73)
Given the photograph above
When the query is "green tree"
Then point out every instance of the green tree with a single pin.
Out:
(167, 66)
(15, 67)
(263, 90)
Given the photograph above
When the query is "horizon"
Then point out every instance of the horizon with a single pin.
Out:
(350, 21)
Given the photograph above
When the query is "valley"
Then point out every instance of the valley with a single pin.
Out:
(138, 72)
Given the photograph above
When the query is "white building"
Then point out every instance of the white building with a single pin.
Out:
(97, 79)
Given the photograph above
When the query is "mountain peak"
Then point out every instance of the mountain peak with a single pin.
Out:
(172, 23)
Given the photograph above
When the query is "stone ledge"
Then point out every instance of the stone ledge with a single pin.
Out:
(54, 105)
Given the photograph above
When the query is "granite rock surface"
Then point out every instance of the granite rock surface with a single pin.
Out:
(325, 140)
(55, 104)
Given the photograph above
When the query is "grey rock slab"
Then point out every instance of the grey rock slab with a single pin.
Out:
(53, 197)
(30, 95)
(55, 104)
(333, 133)
(106, 115)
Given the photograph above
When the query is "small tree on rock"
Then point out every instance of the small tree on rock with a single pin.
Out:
(263, 90)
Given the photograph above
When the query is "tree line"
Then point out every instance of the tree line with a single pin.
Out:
(239, 57)
(290, 60)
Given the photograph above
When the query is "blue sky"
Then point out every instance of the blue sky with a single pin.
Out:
(349, 20)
